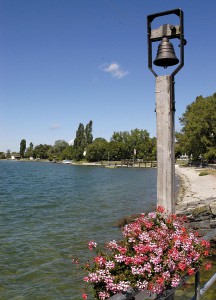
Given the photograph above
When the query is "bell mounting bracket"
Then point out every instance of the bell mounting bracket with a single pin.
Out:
(169, 31)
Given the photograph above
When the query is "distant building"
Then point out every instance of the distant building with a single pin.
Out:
(15, 156)
(183, 157)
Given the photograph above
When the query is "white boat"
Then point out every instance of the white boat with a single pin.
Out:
(67, 161)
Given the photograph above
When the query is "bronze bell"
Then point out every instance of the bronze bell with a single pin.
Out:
(165, 55)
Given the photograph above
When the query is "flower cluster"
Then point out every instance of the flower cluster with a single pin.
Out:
(155, 252)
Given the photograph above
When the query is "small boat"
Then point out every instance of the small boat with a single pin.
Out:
(67, 161)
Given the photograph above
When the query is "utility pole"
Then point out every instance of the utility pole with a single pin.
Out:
(165, 115)
(165, 104)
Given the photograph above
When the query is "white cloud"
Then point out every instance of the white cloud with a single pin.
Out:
(115, 70)
(55, 126)
(71, 142)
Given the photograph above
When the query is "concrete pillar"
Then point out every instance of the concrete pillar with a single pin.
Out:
(165, 111)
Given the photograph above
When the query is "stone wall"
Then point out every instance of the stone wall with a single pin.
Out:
(201, 215)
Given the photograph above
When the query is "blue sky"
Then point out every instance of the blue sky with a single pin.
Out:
(65, 62)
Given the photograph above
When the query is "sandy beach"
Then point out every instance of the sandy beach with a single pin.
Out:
(195, 188)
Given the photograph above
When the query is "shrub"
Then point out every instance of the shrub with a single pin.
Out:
(157, 249)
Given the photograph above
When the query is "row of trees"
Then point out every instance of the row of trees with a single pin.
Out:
(61, 149)
(122, 145)
(197, 138)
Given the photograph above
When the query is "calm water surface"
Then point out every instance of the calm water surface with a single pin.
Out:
(47, 214)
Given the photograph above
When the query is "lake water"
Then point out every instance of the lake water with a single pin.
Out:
(48, 212)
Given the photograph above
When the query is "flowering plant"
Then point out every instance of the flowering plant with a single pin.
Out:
(155, 252)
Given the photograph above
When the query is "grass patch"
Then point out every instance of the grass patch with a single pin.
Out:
(208, 172)
(203, 173)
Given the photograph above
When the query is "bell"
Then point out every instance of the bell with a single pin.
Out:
(165, 55)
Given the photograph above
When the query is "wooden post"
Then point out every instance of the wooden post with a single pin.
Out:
(165, 142)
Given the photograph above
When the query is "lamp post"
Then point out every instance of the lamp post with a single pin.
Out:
(165, 104)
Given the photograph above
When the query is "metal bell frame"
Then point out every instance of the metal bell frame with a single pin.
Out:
(174, 34)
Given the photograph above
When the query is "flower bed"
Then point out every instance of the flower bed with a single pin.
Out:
(157, 249)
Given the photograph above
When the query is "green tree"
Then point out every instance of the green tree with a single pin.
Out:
(58, 148)
(140, 140)
(83, 138)
(42, 151)
(8, 154)
(198, 134)
(97, 150)
(29, 150)
(135, 139)
(67, 153)
(88, 133)
(153, 149)
(117, 150)
(121, 136)
(2, 155)
(79, 142)
(124, 140)
(22, 148)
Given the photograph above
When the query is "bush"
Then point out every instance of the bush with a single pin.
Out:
(156, 251)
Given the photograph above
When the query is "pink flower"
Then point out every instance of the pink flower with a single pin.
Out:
(119, 257)
(103, 295)
(182, 266)
(93, 277)
(207, 266)
(155, 259)
(142, 285)
(100, 260)
(122, 250)
(175, 281)
(205, 243)
(92, 245)
(151, 244)
(110, 264)
(152, 215)
(166, 275)
(84, 296)
(144, 237)
(160, 209)
(191, 271)
(160, 280)
(75, 261)
(123, 286)
(86, 279)
(112, 245)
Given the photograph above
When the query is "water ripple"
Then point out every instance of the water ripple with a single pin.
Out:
(47, 214)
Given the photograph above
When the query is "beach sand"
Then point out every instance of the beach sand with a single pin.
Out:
(195, 188)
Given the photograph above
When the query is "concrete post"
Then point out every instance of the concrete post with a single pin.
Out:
(165, 111)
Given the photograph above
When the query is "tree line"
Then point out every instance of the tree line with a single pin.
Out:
(122, 145)
(197, 139)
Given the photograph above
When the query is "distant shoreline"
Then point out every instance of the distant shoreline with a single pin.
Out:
(106, 164)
